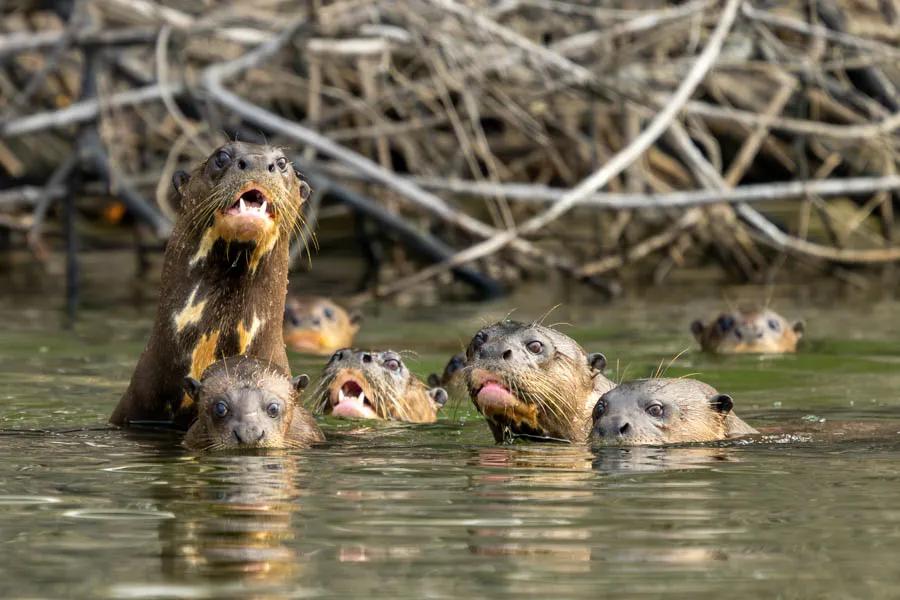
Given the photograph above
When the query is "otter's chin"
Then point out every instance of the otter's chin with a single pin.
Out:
(307, 341)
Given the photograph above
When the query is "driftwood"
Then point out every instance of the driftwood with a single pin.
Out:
(707, 132)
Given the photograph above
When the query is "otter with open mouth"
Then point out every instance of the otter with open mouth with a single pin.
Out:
(316, 325)
(245, 404)
(662, 411)
(533, 382)
(748, 332)
(358, 384)
(224, 278)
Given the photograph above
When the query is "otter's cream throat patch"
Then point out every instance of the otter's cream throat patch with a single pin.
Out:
(191, 313)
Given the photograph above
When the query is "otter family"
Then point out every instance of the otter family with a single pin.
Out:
(216, 366)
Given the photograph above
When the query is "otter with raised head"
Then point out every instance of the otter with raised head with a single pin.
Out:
(243, 403)
(316, 325)
(533, 382)
(224, 278)
(748, 332)
(451, 378)
(358, 384)
(662, 411)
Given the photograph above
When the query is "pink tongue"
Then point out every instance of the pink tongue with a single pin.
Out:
(353, 408)
(494, 392)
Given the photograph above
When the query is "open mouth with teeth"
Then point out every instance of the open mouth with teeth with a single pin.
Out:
(251, 203)
(348, 399)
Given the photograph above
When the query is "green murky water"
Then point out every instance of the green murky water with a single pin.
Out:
(439, 511)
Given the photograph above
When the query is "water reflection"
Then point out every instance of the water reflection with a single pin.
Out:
(651, 459)
(234, 520)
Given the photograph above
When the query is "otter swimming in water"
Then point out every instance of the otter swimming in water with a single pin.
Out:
(243, 403)
(533, 382)
(224, 278)
(665, 411)
(317, 325)
(748, 331)
(359, 384)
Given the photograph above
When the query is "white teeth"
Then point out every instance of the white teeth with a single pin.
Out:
(243, 207)
(362, 398)
(262, 209)
(340, 396)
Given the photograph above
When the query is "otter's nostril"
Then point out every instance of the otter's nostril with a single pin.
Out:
(262, 434)
(367, 358)
(237, 436)
(507, 355)
(271, 167)
(242, 164)
(624, 429)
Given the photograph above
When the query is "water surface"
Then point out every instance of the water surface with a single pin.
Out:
(440, 511)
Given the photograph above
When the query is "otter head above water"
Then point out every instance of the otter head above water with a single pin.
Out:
(451, 373)
(748, 332)
(246, 404)
(532, 381)
(224, 277)
(359, 384)
(317, 325)
(243, 197)
(664, 411)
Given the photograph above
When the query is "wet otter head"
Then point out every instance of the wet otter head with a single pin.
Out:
(244, 195)
(246, 404)
(452, 371)
(318, 325)
(532, 381)
(751, 332)
(359, 384)
(664, 411)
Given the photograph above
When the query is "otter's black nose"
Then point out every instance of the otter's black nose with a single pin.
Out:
(248, 434)
(624, 429)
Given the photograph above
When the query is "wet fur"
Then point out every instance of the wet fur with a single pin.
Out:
(404, 400)
(237, 283)
(555, 398)
(695, 421)
(298, 429)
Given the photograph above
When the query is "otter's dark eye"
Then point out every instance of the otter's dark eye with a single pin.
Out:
(222, 159)
(725, 322)
(599, 409)
(534, 347)
(392, 364)
(273, 410)
(220, 409)
(281, 163)
(329, 313)
(774, 325)
(479, 340)
(655, 410)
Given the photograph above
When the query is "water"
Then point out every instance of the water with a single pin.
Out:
(440, 511)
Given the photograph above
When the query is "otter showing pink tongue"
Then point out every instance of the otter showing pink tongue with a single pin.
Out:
(360, 384)
(533, 382)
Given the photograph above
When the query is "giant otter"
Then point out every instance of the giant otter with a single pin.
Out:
(359, 384)
(244, 403)
(224, 278)
(317, 325)
(665, 411)
(748, 332)
(534, 382)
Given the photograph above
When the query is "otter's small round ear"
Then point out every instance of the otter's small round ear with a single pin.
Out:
(434, 380)
(799, 328)
(439, 395)
(697, 328)
(721, 403)
(597, 361)
(356, 317)
(300, 382)
(305, 190)
(179, 180)
(192, 387)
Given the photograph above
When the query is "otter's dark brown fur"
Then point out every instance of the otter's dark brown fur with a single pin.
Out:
(665, 411)
(359, 384)
(224, 278)
(244, 403)
(533, 381)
